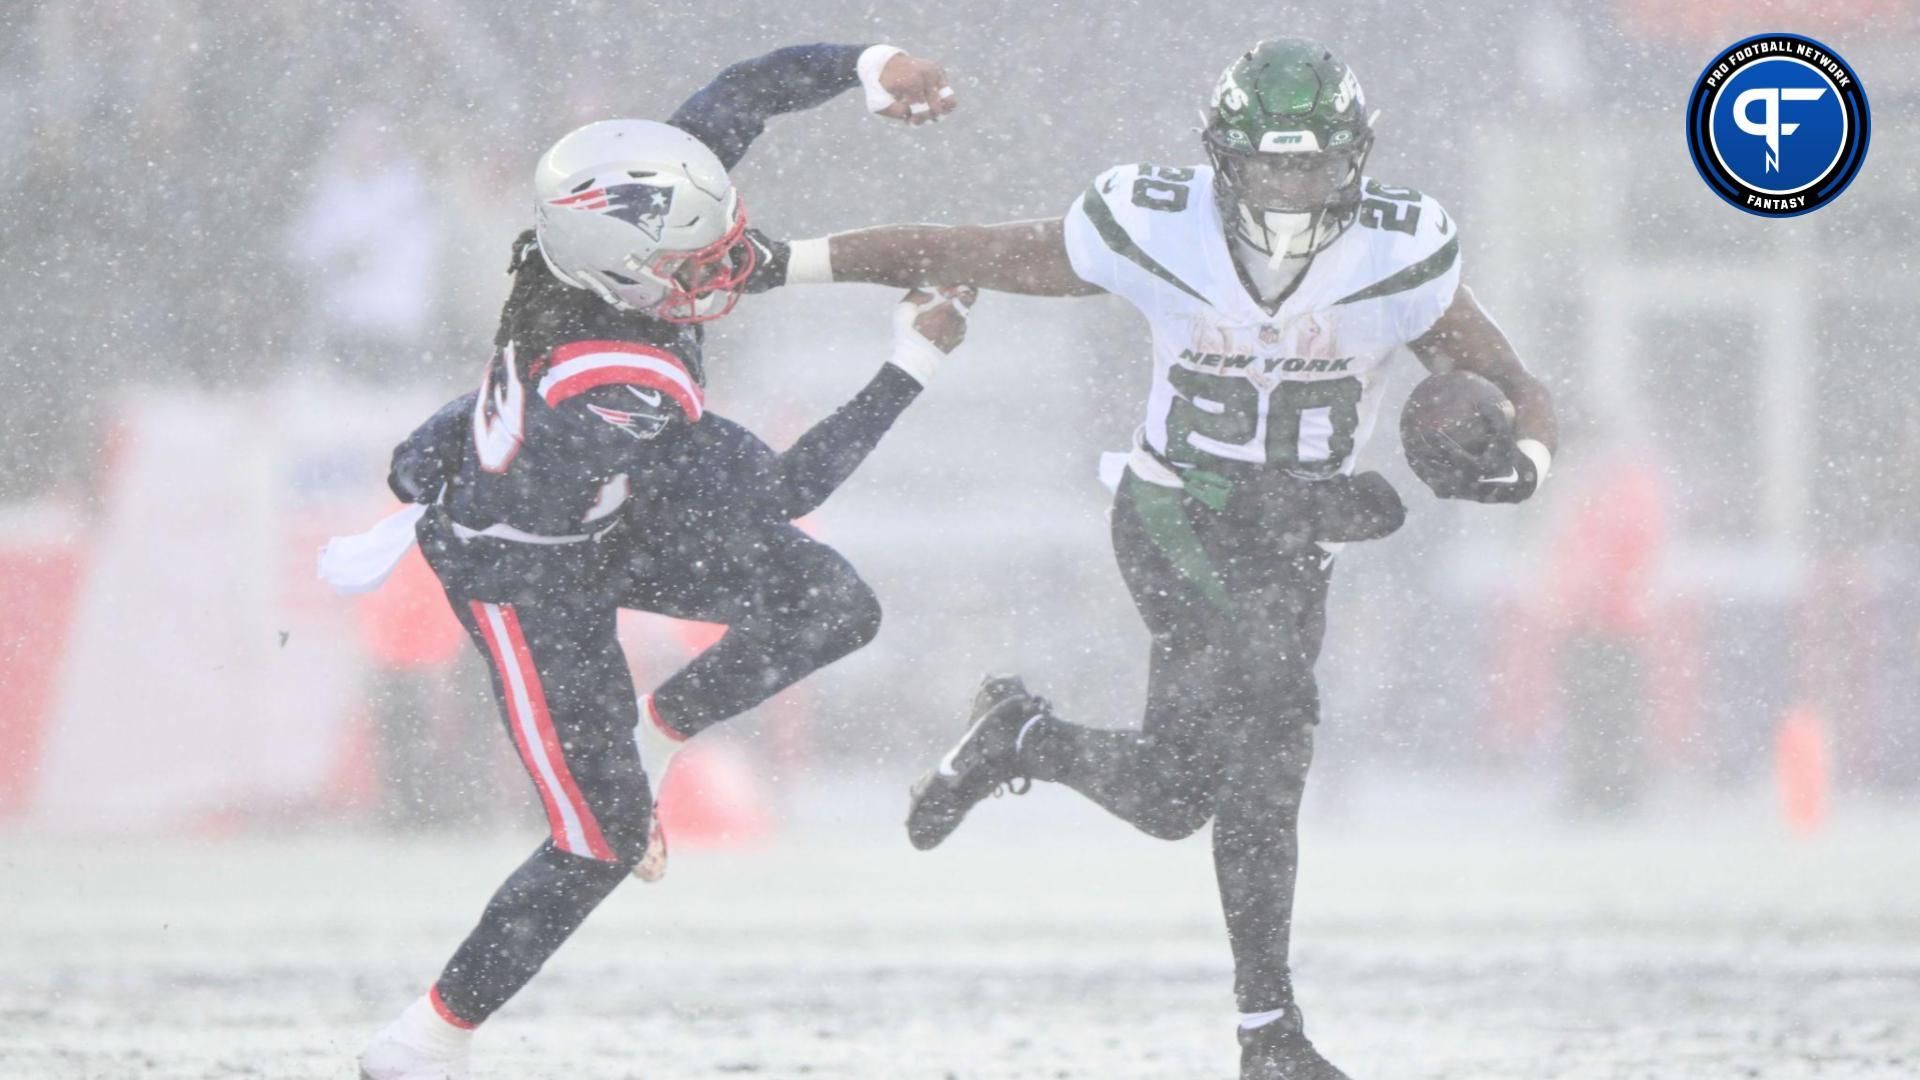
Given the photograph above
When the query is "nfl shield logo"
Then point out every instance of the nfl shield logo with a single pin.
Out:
(1269, 335)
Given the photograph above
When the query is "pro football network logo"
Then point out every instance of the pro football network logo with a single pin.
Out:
(1778, 125)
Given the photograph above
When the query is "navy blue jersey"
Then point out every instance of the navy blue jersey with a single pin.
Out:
(574, 406)
(583, 404)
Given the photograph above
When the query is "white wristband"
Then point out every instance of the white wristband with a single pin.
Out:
(913, 353)
(809, 262)
(1537, 453)
(871, 61)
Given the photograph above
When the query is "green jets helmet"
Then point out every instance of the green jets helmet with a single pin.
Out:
(1288, 134)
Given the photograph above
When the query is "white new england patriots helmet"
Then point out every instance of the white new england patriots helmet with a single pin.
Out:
(644, 215)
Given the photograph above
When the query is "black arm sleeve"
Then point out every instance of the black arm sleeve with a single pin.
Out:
(1339, 509)
(731, 111)
(428, 458)
(822, 459)
(1355, 508)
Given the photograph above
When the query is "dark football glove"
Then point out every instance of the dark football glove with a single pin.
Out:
(1507, 472)
(1526, 466)
(770, 267)
(425, 463)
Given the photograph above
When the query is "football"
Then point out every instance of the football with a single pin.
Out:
(1452, 420)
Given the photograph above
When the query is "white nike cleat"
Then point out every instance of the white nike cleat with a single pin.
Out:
(420, 1045)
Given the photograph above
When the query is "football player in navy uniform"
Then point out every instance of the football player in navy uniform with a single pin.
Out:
(1278, 282)
(587, 474)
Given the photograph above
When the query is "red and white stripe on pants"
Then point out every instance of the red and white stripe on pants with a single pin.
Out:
(575, 830)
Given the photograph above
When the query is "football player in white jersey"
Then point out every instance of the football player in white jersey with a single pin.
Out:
(1278, 281)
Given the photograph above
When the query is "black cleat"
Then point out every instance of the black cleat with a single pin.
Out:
(980, 764)
(1281, 1051)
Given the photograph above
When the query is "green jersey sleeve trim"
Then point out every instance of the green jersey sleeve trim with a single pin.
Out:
(1101, 215)
(1418, 274)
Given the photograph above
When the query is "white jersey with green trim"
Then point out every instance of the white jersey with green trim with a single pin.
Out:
(1297, 387)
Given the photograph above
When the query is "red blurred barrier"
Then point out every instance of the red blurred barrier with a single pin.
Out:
(406, 623)
(711, 798)
(1803, 769)
(39, 576)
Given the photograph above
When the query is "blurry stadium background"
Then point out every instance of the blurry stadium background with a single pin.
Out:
(248, 246)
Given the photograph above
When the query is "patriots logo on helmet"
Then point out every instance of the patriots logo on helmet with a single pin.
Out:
(643, 206)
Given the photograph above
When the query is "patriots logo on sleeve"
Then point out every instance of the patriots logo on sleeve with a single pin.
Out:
(643, 206)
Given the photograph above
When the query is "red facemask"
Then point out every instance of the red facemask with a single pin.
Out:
(721, 267)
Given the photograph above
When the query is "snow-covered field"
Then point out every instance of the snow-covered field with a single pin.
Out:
(1044, 941)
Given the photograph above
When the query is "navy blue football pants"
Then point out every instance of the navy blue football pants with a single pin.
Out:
(791, 605)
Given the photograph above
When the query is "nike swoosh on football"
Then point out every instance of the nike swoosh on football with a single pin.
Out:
(651, 397)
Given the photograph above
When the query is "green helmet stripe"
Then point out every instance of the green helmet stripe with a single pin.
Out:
(1116, 238)
(1287, 87)
(1418, 274)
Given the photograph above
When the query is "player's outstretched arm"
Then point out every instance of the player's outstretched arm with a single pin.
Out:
(1470, 339)
(1017, 256)
(926, 327)
(731, 111)
(1352, 509)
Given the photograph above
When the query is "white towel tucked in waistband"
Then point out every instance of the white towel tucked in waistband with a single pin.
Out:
(360, 563)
